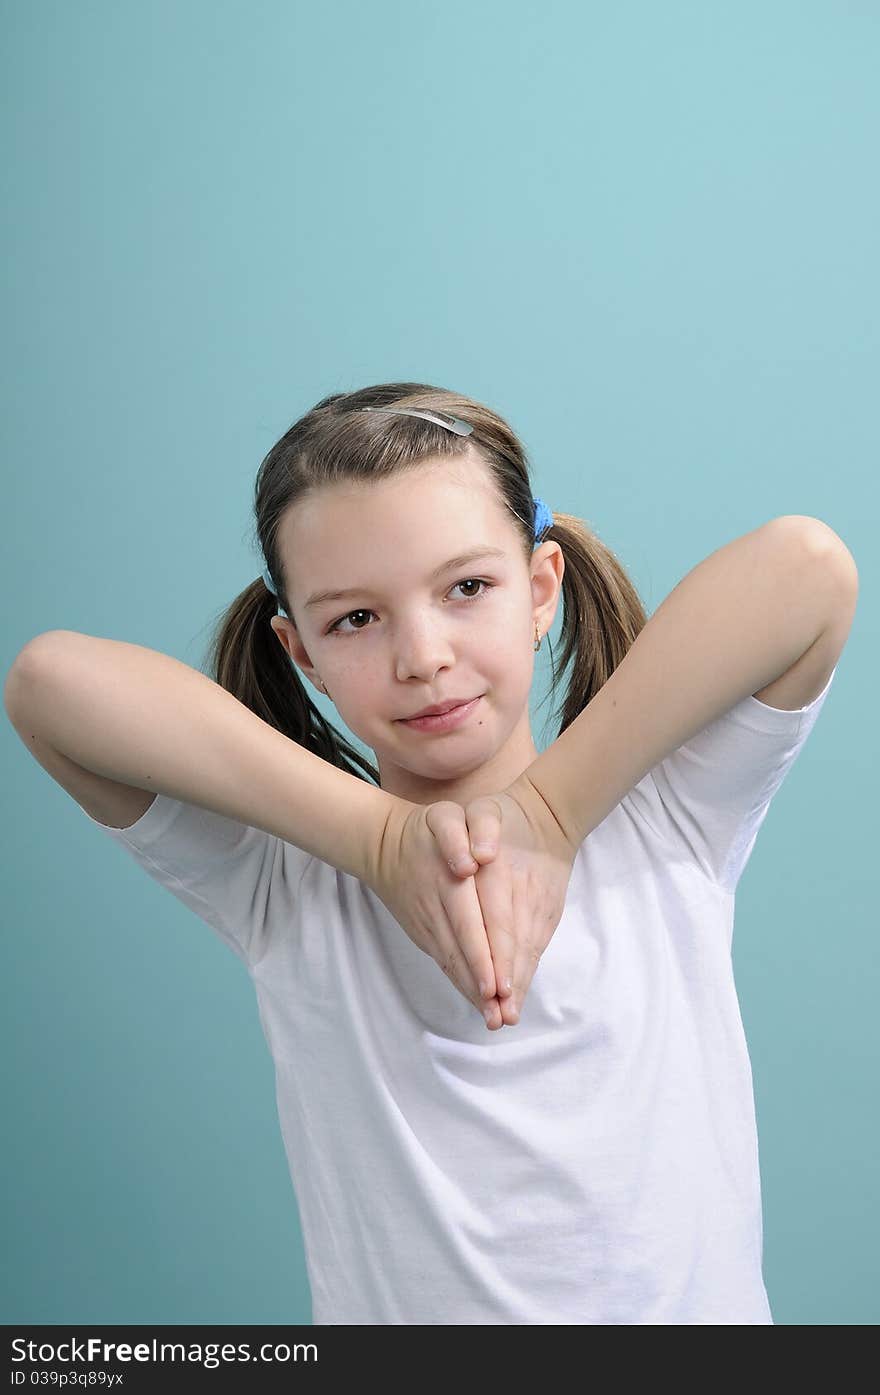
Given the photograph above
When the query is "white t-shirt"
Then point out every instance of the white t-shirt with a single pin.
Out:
(596, 1163)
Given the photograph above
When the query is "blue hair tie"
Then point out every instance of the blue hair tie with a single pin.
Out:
(543, 521)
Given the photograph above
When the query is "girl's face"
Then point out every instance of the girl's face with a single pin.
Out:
(418, 628)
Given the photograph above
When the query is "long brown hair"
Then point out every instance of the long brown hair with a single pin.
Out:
(336, 440)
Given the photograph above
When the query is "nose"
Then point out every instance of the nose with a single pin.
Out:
(422, 649)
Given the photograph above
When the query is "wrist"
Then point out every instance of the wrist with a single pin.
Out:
(373, 836)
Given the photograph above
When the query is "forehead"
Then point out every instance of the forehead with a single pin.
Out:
(429, 505)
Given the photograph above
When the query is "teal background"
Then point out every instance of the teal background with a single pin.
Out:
(645, 233)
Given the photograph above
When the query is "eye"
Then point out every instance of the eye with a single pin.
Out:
(472, 581)
(485, 586)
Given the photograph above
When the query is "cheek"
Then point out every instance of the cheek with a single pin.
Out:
(352, 677)
(362, 694)
(514, 614)
(507, 672)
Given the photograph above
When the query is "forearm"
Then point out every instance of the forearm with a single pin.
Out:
(736, 622)
(143, 718)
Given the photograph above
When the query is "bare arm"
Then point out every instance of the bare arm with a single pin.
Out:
(738, 620)
(145, 719)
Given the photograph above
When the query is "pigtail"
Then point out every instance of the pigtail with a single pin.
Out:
(602, 614)
(247, 660)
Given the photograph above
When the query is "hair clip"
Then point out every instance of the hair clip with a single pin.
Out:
(461, 428)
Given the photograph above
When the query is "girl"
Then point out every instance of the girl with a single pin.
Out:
(597, 1161)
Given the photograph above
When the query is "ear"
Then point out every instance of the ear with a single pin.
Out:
(288, 638)
(547, 570)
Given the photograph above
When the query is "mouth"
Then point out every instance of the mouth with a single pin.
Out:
(443, 721)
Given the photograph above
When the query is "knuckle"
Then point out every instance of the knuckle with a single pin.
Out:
(483, 810)
(449, 963)
(443, 817)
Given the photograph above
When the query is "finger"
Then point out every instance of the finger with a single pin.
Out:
(448, 824)
(483, 818)
(462, 906)
(495, 892)
(453, 963)
(527, 961)
(530, 941)
(447, 953)
(453, 960)
(492, 1014)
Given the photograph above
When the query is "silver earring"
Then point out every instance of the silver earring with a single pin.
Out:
(537, 638)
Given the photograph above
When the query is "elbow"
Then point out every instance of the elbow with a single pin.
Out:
(822, 543)
(23, 666)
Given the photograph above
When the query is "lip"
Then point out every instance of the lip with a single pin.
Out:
(443, 721)
(439, 709)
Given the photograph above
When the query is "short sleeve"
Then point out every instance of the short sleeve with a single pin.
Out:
(716, 789)
(227, 872)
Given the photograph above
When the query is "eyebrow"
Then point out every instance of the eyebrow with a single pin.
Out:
(320, 597)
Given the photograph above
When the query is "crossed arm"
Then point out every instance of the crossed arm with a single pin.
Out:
(768, 614)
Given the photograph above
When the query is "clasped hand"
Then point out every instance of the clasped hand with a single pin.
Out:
(480, 889)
